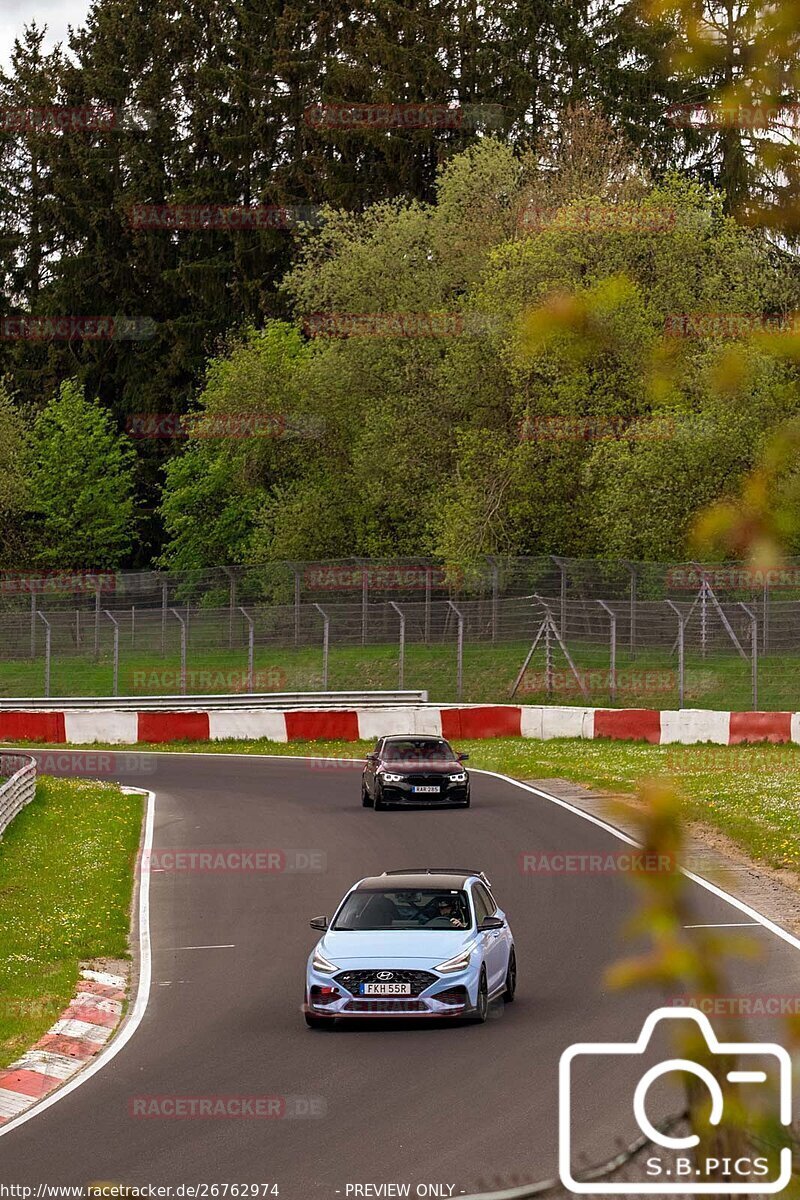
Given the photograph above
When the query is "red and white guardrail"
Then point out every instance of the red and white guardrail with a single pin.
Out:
(127, 727)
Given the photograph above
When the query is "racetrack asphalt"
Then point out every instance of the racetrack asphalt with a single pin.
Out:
(462, 1105)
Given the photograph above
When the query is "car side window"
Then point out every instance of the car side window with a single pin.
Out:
(486, 900)
(479, 901)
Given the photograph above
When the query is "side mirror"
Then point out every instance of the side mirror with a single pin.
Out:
(319, 923)
(372, 758)
(462, 757)
(490, 923)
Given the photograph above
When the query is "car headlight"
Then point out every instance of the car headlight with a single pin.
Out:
(461, 778)
(387, 777)
(320, 963)
(459, 963)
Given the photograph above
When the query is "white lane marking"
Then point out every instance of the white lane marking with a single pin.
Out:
(726, 925)
(228, 946)
(758, 919)
(142, 993)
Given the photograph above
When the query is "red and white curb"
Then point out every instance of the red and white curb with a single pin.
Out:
(81, 1032)
(127, 727)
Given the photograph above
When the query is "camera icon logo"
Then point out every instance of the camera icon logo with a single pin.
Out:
(765, 1064)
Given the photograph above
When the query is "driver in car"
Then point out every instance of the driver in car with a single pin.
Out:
(444, 908)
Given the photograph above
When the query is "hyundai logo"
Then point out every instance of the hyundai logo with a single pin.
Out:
(385, 974)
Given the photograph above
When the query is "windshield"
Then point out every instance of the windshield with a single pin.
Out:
(411, 750)
(433, 908)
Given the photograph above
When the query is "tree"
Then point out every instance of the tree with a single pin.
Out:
(81, 485)
(13, 481)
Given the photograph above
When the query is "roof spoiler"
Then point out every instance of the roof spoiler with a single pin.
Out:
(442, 871)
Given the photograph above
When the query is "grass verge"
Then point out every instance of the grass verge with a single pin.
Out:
(66, 881)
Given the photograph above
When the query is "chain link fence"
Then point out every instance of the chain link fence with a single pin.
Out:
(544, 630)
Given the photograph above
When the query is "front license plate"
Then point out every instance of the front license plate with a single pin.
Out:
(386, 989)
(426, 788)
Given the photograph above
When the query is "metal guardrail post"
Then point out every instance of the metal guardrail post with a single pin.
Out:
(401, 661)
(250, 646)
(175, 613)
(47, 648)
(753, 654)
(460, 651)
(612, 683)
(115, 623)
(681, 648)
(325, 644)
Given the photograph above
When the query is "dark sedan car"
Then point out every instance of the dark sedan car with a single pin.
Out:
(414, 770)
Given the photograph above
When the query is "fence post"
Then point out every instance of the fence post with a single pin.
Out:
(364, 603)
(133, 625)
(681, 660)
(460, 650)
(97, 601)
(634, 597)
(765, 620)
(33, 624)
(753, 654)
(164, 589)
(231, 573)
(175, 613)
(325, 644)
(428, 574)
(495, 597)
(47, 647)
(401, 661)
(296, 607)
(115, 623)
(250, 647)
(612, 685)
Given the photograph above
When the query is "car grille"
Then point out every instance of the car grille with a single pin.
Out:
(439, 780)
(419, 980)
(390, 1006)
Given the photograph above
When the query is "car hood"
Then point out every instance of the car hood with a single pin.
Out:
(393, 945)
(439, 767)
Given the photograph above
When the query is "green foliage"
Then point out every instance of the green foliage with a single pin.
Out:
(80, 485)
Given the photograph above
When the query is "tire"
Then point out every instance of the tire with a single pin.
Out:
(482, 1007)
(379, 805)
(318, 1022)
(366, 799)
(466, 803)
(511, 977)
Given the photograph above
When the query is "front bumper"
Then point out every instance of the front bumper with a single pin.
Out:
(403, 793)
(450, 995)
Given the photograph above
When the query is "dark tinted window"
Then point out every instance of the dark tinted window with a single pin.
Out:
(394, 908)
(421, 750)
(485, 899)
